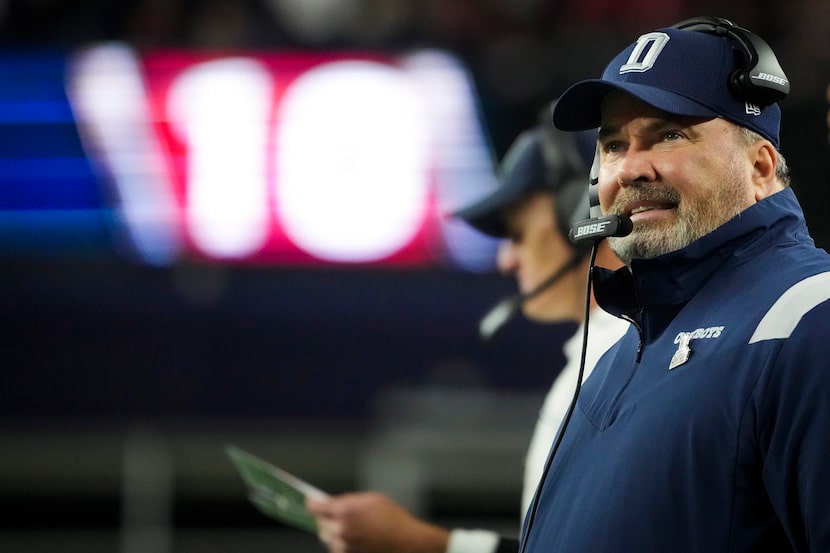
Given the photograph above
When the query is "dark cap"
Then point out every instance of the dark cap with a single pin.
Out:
(682, 72)
(540, 159)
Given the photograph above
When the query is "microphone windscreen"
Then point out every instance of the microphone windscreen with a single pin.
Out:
(496, 317)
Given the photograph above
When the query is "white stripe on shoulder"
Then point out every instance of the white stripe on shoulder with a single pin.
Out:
(787, 311)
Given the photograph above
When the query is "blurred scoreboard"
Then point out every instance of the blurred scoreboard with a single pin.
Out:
(242, 157)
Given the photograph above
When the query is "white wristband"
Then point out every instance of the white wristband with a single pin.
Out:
(472, 541)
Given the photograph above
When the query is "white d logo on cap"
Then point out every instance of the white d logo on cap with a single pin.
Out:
(645, 53)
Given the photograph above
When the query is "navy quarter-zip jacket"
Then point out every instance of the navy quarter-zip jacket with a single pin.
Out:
(707, 427)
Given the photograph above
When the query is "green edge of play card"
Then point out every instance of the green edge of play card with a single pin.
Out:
(275, 492)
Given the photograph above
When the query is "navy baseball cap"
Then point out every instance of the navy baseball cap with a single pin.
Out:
(681, 72)
(521, 172)
(528, 167)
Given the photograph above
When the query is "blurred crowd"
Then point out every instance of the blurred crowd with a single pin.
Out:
(521, 52)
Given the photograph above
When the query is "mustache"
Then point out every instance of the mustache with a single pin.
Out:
(643, 192)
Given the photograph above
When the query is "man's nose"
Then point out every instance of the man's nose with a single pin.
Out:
(636, 167)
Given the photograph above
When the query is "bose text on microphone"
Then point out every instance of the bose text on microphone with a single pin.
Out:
(601, 227)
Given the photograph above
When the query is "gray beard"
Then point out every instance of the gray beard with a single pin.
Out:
(694, 219)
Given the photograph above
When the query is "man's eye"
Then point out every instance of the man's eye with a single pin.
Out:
(673, 135)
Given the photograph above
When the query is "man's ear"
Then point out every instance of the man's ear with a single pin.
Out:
(765, 161)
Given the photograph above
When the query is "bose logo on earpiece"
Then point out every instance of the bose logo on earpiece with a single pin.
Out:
(771, 78)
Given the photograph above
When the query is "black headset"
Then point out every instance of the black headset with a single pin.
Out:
(759, 79)
(567, 176)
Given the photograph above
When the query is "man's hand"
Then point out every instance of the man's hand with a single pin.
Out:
(372, 523)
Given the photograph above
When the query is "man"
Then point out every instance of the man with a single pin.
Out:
(542, 192)
(705, 428)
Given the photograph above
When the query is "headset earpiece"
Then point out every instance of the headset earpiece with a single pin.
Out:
(760, 79)
(571, 204)
(763, 79)
(568, 179)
